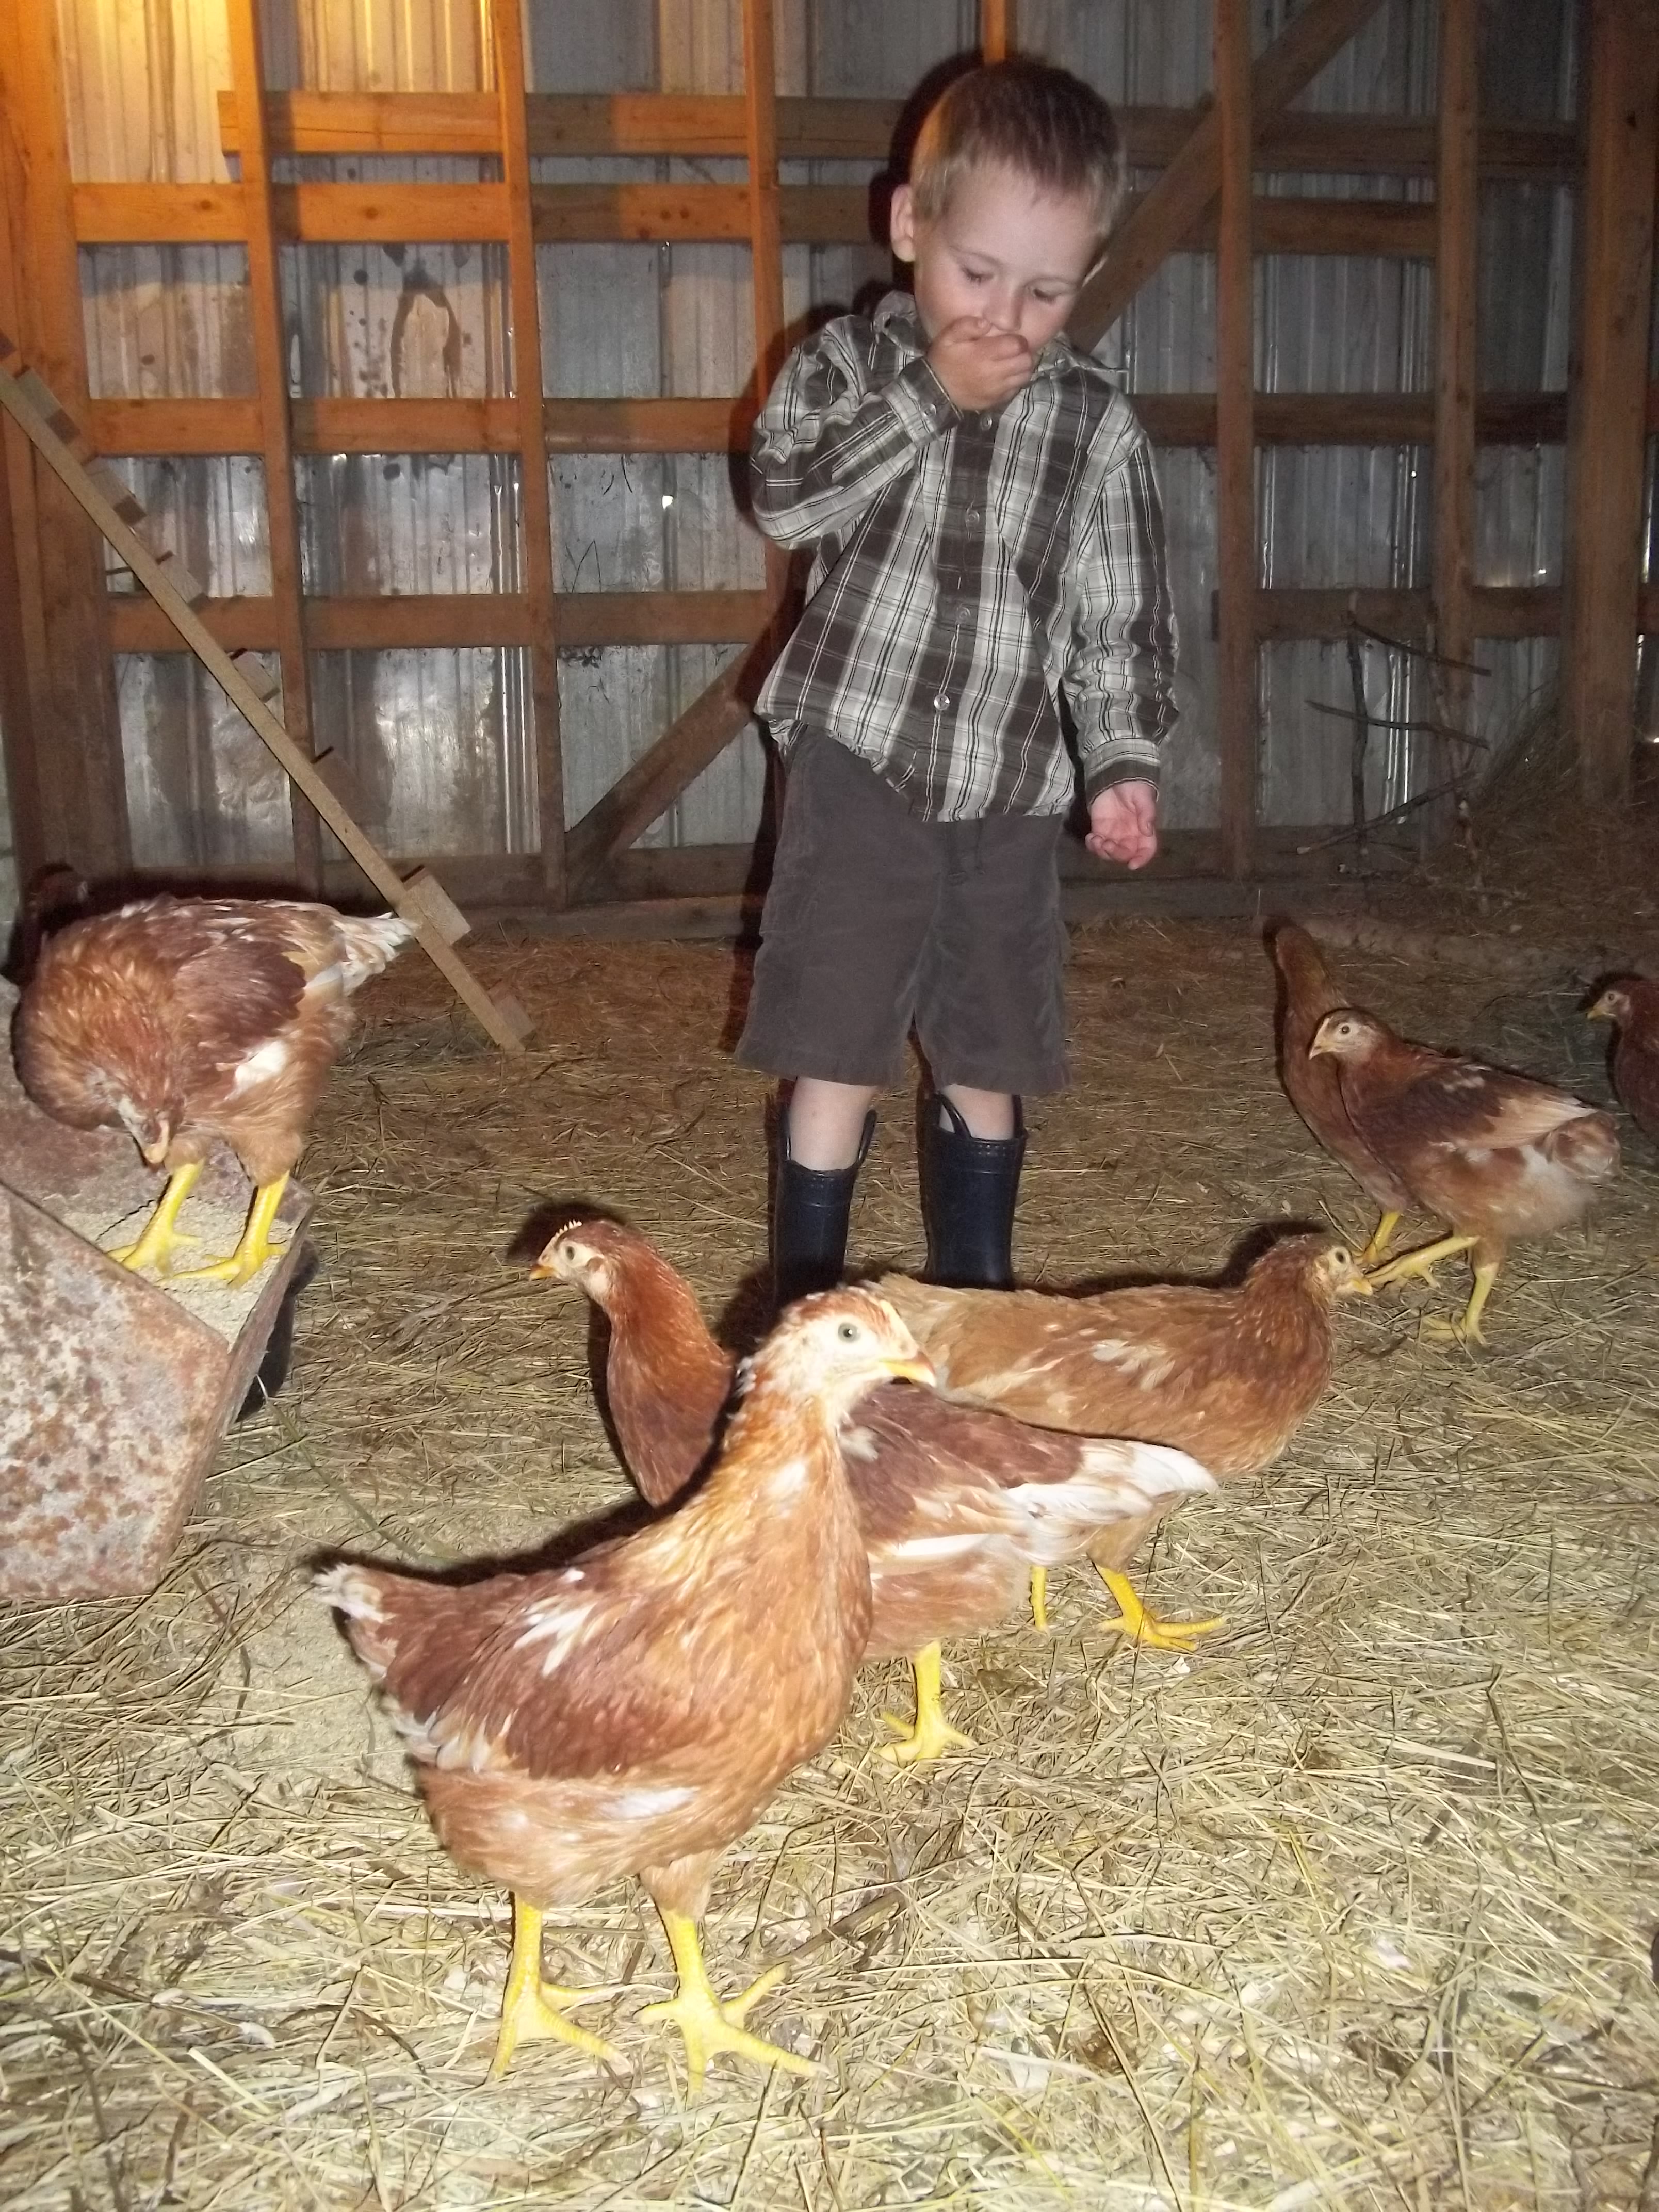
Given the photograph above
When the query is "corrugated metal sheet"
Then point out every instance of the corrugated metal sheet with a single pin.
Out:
(441, 739)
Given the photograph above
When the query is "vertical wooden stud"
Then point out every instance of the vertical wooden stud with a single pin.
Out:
(996, 29)
(538, 576)
(16, 705)
(1607, 409)
(276, 417)
(1457, 230)
(1237, 556)
(75, 773)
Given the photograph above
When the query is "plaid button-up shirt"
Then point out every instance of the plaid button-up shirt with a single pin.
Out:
(968, 570)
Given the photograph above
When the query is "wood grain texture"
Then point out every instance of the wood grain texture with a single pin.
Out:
(1237, 556)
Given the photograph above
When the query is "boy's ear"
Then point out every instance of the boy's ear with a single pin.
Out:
(901, 224)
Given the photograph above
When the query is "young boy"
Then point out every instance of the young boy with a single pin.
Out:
(989, 536)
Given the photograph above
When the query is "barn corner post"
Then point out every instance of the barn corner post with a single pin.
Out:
(997, 30)
(1608, 392)
(1456, 241)
(276, 417)
(1237, 556)
(63, 733)
(536, 580)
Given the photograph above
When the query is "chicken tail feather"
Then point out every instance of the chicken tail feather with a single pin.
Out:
(368, 944)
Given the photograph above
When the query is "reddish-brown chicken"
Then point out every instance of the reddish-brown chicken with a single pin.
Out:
(1497, 1155)
(959, 1505)
(631, 1713)
(189, 1021)
(1307, 995)
(1227, 1375)
(1633, 1003)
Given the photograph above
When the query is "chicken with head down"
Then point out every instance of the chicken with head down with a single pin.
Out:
(188, 1022)
(958, 1505)
(631, 1712)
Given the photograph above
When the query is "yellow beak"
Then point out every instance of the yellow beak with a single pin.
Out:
(912, 1371)
(544, 1271)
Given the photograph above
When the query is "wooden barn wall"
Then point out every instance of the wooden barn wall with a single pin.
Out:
(441, 739)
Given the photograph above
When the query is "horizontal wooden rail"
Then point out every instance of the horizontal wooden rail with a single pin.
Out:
(633, 123)
(644, 214)
(452, 619)
(714, 426)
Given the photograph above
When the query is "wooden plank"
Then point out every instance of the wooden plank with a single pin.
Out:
(647, 214)
(997, 39)
(112, 214)
(1354, 418)
(79, 777)
(276, 429)
(28, 838)
(1401, 230)
(1458, 225)
(648, 426)
(1166, 214)
(296, 763)
(657, 778)
(1237, 555)
(765, 234)
(539, 579)
(454, 618)
(851, 129)
(1605, 457)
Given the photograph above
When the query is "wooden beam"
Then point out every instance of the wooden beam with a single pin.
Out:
(79, 778)
(1237, 555)
(275, 428)
(1605, 457)
(997, 38)
(651, 786)
(712, 125)
(1457, 230)
(765, 231)
(1158, 223)
(539, 579)
(23, 795)
(407, 623)
(1498, 610)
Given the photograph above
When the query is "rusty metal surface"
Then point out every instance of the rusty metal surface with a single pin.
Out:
(112, 1397)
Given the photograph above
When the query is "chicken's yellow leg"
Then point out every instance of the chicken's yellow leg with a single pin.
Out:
(1466, 1328)
(1040, 1597)
(930, 1735)
(159, 1236)
(532, 2007)
(1380, 1239)
(707, 2024)
(1423, 1261)
(256, 1246)
(1141, 1626)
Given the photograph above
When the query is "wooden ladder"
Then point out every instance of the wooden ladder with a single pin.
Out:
(438, 923)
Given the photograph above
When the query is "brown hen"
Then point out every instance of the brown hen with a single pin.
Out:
(191, 1021)
(1633, 1001)
(1496, 1155)
(1227, 1375)
(959, 1505)
(630, 1713)
(1312, 1086)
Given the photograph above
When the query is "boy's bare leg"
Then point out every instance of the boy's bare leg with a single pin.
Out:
(826, 1122)
(987, 1113)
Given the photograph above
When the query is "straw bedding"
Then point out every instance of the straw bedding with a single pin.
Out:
(1350, 1908)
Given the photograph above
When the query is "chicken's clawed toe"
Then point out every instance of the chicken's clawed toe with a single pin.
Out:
(537, 2013)
(1420, 1263)
(930, 1735)
(1145, 1628)
(709, 2027)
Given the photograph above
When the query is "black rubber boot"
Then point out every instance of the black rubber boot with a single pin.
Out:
(810, 1211)
(968, 1186)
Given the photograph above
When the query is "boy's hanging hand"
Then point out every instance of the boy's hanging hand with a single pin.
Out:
(980, 366)
(1123, 824)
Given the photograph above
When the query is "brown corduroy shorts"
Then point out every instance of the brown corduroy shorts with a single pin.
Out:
(878, 920)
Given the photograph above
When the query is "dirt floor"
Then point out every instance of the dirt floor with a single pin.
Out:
(1354, 1906)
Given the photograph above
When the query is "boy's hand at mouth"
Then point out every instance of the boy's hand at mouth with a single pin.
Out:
(980, 366)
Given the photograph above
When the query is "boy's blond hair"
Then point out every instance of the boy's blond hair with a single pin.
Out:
(1026, 115)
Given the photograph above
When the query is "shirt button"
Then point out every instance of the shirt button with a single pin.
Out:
(974, 515)
(941, 700)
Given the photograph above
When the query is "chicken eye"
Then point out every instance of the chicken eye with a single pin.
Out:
(848, 1332)
(1340, 1256)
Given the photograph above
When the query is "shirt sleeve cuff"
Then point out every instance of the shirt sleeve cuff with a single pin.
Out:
(1125, 759)
(920, 401)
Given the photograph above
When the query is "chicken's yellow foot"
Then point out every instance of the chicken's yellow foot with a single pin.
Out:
(1466, 1329)
(708, 2025)
(1142, 1627)
(1423, 1261)
(1379, 1240)
(256, 1246)
(532, 2009)
(159, 1236)
(1040, 1597)
(930, 1735)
